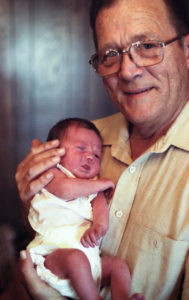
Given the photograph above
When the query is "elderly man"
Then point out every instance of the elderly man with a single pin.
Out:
(143, 58)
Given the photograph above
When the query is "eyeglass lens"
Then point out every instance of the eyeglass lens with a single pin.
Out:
(142, 54)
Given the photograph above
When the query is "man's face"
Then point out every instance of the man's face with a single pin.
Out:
(148, 96)
(83, 152)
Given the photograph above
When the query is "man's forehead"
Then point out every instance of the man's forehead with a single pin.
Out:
(126, 8)
(132, 21)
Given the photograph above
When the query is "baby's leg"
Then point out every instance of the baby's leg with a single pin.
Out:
(74, 264)
(115, 273)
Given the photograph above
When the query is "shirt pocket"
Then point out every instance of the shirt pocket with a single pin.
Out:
(156, 262)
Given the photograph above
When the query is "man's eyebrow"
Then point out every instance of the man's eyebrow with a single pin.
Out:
(136, 38)
(144, 36)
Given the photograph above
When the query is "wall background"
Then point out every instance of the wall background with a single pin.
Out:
(44, 77)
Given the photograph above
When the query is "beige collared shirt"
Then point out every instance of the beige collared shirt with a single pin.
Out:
(149, 213)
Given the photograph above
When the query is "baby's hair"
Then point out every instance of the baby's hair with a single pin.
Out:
(61, 127)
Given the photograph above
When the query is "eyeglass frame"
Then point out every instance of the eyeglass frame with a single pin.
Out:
(120, 52)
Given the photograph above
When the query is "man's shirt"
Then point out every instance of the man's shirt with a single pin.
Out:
(149, 212)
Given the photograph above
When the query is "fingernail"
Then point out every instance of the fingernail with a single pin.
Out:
(23, 254)
(49, 175)
(54, 142)
(55, 159)
(61, 150)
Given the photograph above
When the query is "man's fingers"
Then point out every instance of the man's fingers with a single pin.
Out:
(35, 143)
(38, 289)
(35, 186)
(37, 154)
(27, 175)
(30, 276)
(37, 146)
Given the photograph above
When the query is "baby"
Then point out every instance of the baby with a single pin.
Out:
(70, 216)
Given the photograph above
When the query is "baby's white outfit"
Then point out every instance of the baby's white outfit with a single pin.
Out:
(61, 224)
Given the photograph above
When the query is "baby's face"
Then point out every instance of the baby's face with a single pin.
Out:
(83, 152)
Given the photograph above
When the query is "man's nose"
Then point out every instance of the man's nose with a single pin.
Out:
(128, 69)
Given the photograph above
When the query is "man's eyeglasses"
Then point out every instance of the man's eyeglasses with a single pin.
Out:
(142, 53)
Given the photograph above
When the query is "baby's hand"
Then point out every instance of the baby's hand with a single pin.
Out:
(92, 235)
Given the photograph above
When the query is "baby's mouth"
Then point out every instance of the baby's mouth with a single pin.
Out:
(86, 167)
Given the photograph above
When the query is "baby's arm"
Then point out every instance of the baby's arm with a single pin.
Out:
(100, 222)
(72, 188)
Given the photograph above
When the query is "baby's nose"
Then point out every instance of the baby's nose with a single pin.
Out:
(89, 157)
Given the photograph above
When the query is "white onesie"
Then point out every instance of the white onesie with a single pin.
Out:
(61, 224)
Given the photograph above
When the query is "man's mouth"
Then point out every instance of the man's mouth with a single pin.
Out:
(137, 91)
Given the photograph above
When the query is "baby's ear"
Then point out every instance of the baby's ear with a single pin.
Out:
(186, 48)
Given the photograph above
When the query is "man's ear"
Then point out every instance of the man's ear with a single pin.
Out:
(186, 48)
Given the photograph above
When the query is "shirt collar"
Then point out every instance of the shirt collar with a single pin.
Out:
(177, 135)
(116, 135)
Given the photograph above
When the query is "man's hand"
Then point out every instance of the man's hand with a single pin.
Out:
(37, 288)
(33, 173)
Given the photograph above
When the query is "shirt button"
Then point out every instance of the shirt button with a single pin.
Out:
(118, 213)
(132, 169)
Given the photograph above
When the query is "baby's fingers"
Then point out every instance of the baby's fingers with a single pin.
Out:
(89, 240)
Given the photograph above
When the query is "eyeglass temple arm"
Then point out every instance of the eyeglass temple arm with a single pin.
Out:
(173, 40)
